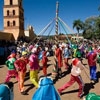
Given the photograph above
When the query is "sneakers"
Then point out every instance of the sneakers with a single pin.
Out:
(81, 96)
(95, 81)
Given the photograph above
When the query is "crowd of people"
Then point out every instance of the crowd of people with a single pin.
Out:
(31, 54)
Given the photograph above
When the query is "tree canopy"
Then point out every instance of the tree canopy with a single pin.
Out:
(90, 27)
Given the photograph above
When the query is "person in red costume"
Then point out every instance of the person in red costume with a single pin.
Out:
(44, 62)
(20, 65)
(59, 62)
(92, 58)
(75, 77)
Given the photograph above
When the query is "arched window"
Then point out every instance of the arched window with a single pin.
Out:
(14, 23)
(8, 23)
(20, 4)
(7, 12)
(13, 12)
(22, 14)
(11, 2)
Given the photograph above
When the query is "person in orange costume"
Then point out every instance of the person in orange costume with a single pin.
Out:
(20, 65)
(59, 62)
(44, 62)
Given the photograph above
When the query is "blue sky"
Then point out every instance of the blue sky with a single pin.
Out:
(39, 13)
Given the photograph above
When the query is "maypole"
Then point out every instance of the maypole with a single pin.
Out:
(57, 10)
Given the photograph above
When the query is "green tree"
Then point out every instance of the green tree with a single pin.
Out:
(98, 27)
(89, 27)
(98, 22)
(78, 24)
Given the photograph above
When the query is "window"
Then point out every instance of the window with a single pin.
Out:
(11, 2)
(22, 14)
(8, 23)
(20, 4)
(7, 12)
(14, 23)
(13, 12)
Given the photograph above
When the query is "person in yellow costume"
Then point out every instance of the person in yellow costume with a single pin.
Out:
(34, 67)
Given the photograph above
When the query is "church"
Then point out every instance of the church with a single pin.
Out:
(13, 18)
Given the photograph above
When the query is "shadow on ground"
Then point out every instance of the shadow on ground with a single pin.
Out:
(88, 87)
(72, 91)
(62, 75)
(1, 66)
(30, 86)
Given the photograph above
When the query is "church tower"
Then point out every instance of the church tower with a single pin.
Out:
(14, 18)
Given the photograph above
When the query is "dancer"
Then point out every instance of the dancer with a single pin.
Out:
(46, 90)
(66, 56)
(20, 65)
(75, 77)
(6, 91)
(44, 61)
(78, 54)
(11, 68)
(34, 67)
(92, 57)
(59, 62)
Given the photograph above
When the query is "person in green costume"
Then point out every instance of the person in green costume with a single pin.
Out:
(92, 96)
(78, 53)
(90, 48)
(11, 68)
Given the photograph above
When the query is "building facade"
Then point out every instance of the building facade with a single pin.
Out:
(14, 18)
(29, 33)
(6, 36)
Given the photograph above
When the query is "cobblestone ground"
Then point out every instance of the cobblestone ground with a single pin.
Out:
(69, 94)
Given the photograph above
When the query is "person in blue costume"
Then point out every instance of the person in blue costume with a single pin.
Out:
(40, 56)
(46, 91)
(6, 91)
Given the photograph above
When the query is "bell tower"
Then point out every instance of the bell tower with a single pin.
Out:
(14, 18)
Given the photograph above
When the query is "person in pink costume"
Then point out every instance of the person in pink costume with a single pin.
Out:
(34, 67)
